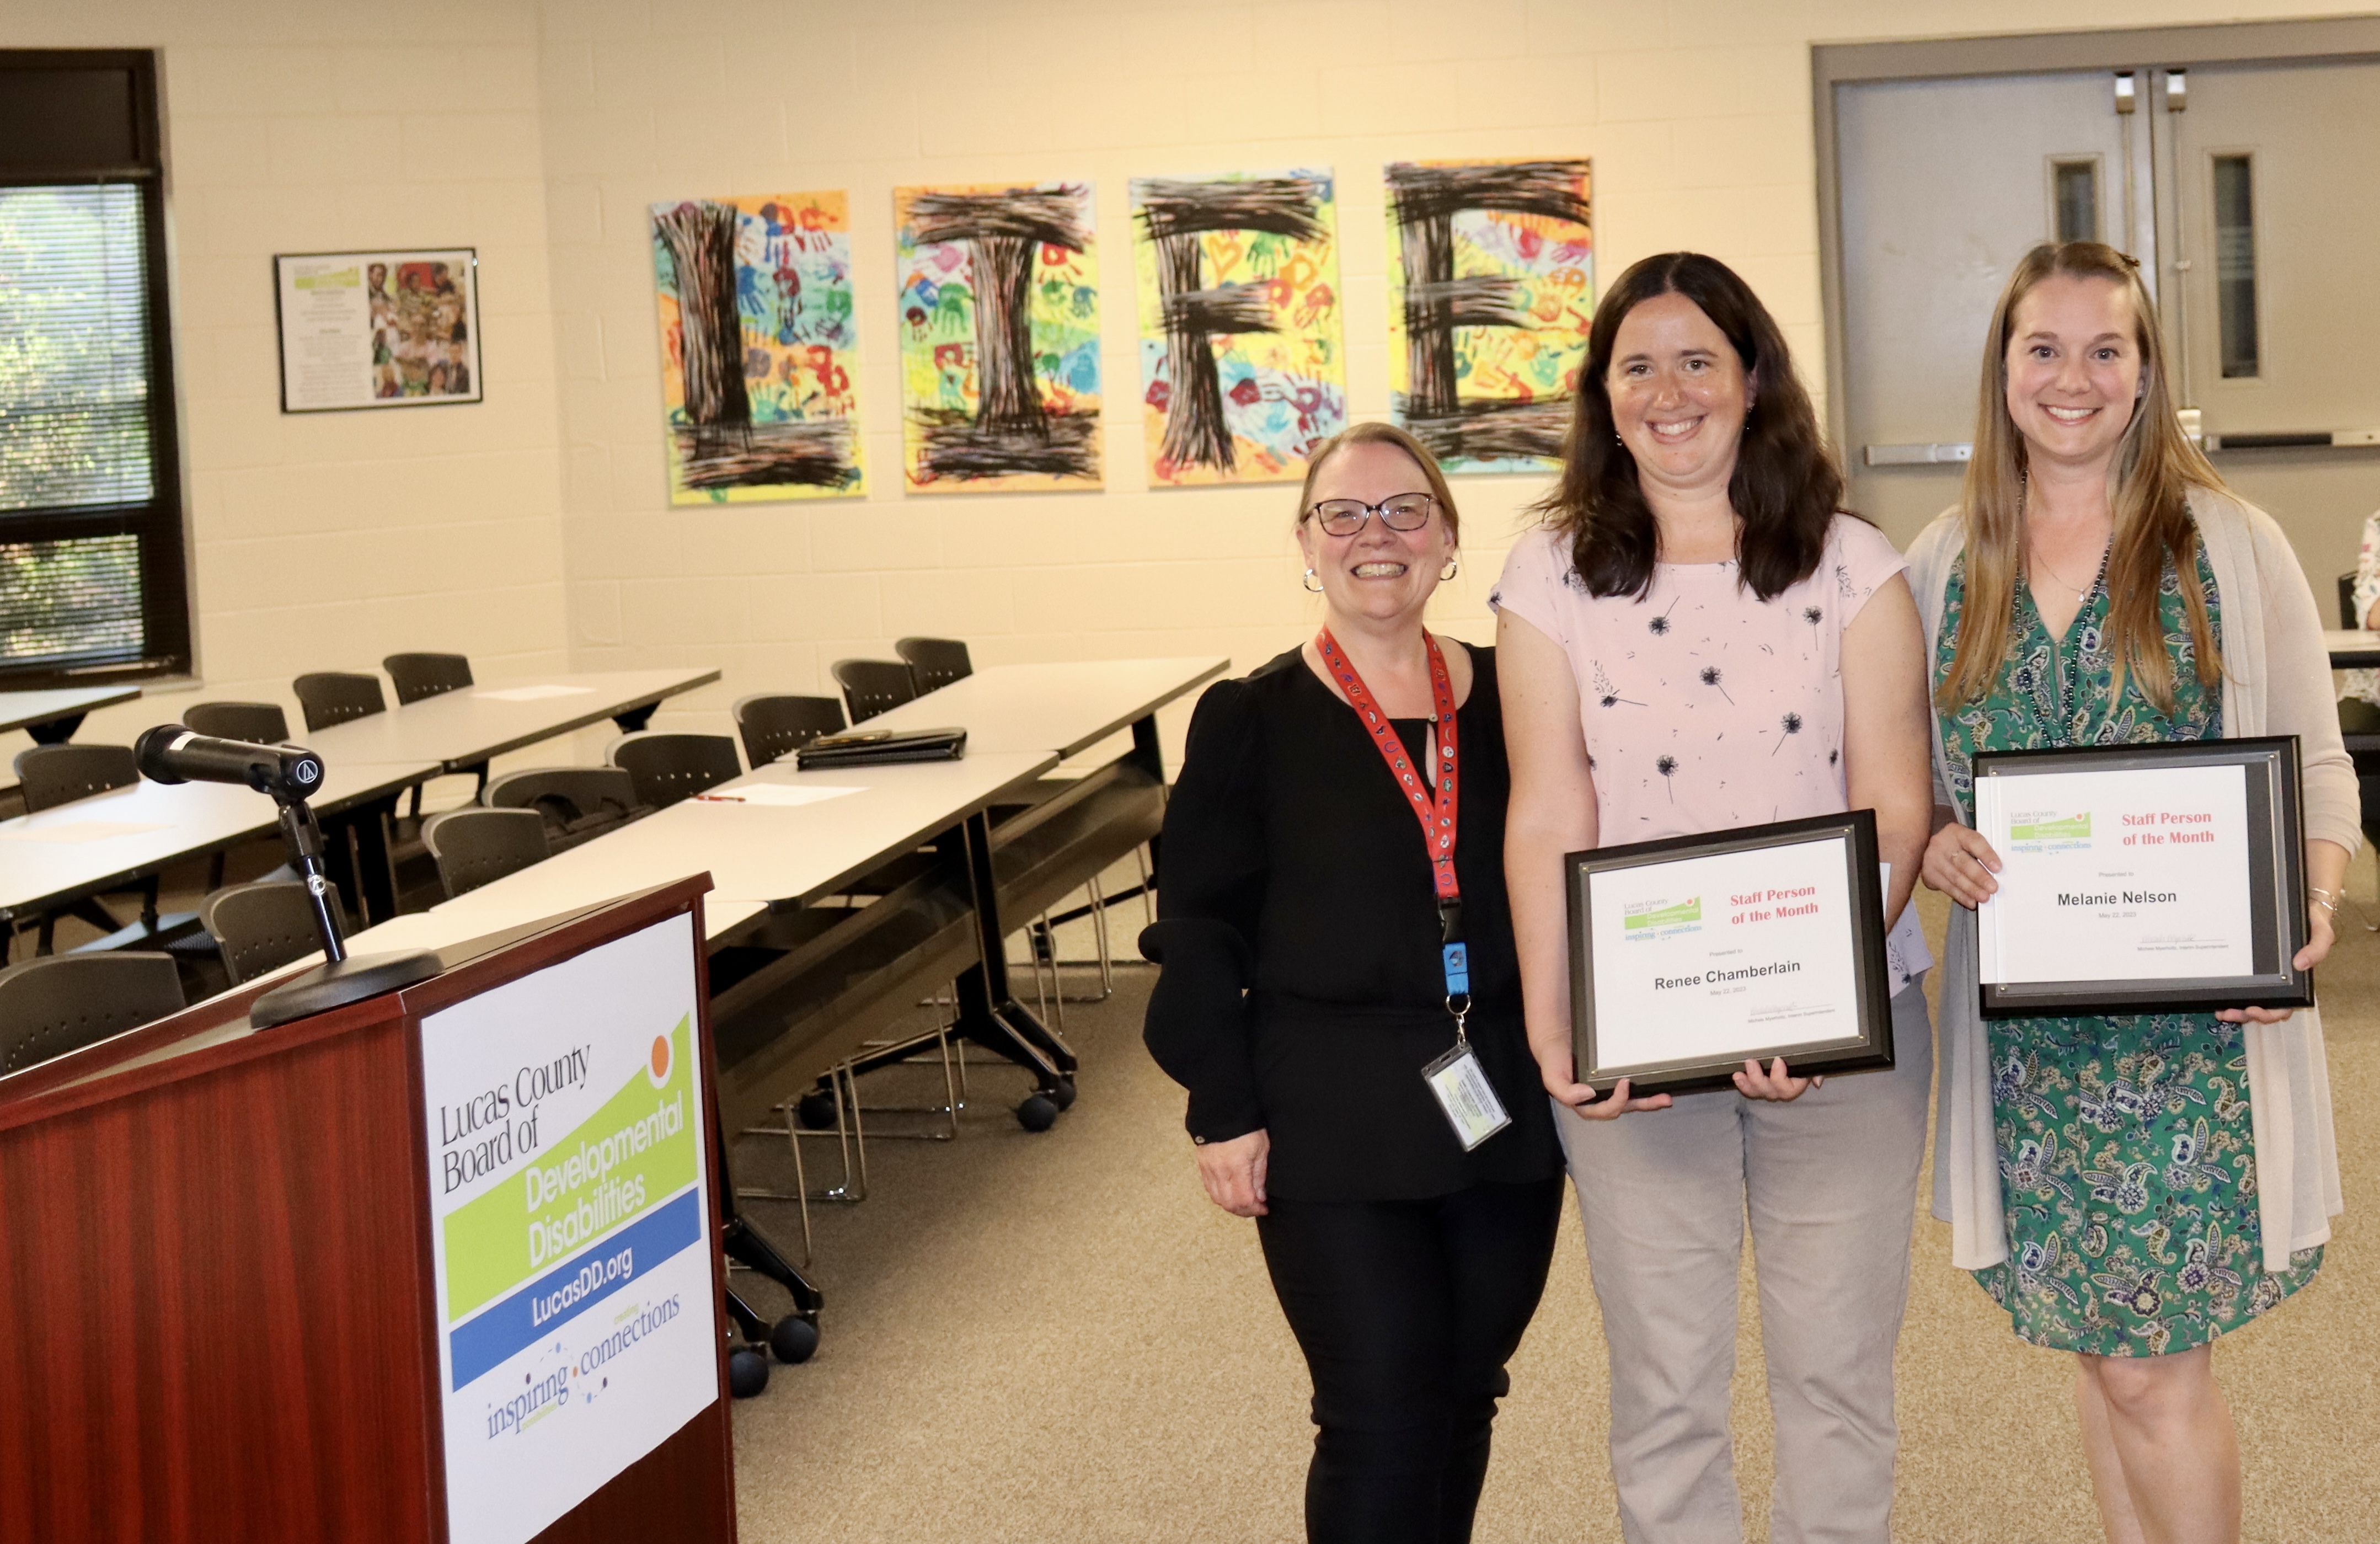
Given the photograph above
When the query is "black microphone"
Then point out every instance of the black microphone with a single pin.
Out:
(170, 753)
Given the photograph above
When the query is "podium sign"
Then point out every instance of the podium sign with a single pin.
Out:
(570, 1228)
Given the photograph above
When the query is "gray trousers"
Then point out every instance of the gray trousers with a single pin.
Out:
(1830, 1181)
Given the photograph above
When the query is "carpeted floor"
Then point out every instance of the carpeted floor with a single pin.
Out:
(1057, 1337)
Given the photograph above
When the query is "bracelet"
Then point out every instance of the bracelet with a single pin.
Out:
(2324, 898)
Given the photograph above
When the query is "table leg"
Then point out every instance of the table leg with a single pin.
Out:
(632, 721)
(994, 935)
(359, 862)
(1150, 754)
(55, 731)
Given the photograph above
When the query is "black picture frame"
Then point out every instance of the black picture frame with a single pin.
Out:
(1871, 1048)
(470, 259)
(2275, 878)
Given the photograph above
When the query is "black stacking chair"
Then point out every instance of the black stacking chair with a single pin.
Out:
(332, 696)
(55, 774)
(479, 847)
(419, 675)
(257, 723)
(774, 725)
(424, 675)
(934, 663)
(2346, 617)
(262, 927)
(49, 776)
(578, 804)
(667, 768)
(873, 686)
(66, 1002)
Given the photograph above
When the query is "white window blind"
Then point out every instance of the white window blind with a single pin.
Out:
(75, 420)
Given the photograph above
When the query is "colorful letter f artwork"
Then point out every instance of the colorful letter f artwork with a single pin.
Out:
(1491, 289)
(759, 351)
(1241, 374)
(999, 338)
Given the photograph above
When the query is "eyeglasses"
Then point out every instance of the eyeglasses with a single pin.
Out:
(1347, 517)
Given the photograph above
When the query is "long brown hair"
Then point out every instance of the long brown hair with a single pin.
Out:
(2155, 468)
(1786, 488)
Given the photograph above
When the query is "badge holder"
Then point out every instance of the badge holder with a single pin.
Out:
(1456, 1078)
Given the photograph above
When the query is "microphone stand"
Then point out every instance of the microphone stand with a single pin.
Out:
(341, 978)
(302, 834)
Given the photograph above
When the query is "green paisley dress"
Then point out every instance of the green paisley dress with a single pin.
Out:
(2127, 1164)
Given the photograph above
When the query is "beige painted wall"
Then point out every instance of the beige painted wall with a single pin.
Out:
(1697, 116)
(536, 527)
(327, 540)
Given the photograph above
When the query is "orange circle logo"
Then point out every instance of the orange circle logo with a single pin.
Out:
(660, 1058)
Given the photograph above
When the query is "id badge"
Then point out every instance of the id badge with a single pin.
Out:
(1466, 1096)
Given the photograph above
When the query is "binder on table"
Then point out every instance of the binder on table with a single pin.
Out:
(876, 748)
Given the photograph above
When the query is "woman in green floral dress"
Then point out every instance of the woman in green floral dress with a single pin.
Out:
(2096, 586)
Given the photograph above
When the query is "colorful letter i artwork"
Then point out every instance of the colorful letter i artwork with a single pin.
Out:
(758, 348)
(1491, 288)
(999, 338)
(1241, 374)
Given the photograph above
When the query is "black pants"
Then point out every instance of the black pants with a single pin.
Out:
(1407, 1312)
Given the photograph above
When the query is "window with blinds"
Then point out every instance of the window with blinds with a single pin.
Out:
(92, 586)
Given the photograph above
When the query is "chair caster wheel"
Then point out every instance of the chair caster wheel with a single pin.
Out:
(794, 1338)
(815, 1110)
(1039, 1112)
(1064, 1094)
(747, 1372)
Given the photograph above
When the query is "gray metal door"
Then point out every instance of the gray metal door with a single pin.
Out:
(1945, 184)
(2273, 287)
(2246, 190)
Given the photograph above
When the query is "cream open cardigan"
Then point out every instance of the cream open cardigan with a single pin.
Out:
(2276, 681)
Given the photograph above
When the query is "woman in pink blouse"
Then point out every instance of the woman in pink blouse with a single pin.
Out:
(1699, 638)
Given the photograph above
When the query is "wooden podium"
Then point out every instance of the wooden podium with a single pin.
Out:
(220, 1262)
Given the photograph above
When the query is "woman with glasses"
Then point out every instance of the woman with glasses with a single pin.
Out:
(1340, 999)
(2127, 1188)
(1700, 638)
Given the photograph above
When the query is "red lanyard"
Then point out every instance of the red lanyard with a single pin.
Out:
(1437, 817)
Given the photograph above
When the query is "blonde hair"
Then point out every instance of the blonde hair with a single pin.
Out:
(1372, 432)
(2155, 468)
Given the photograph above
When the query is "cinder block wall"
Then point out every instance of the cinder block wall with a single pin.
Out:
(535, 530)
(326, 540)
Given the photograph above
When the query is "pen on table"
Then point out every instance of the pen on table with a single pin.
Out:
(721, 799)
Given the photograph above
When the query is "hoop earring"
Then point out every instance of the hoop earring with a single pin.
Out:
(1454, 567)
(1310, 586)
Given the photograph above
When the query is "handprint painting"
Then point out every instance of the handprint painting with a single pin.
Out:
(999, 338)
(1243, 368)
(1491, 290)
(759, 348)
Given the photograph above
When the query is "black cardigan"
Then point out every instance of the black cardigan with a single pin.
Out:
(1293, 865)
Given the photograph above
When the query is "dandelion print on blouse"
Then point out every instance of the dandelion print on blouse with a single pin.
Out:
(2127, 1154)
(1702, 707)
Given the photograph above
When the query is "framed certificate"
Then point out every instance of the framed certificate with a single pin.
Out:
(1690, 955)
(2142, 879)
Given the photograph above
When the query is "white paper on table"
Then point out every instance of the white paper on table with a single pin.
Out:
(780, 794)
(75, 832)
(1724, 957)
(533, 694)
(2111, 876)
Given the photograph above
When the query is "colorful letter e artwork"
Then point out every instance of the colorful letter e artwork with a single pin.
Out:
(1241, 374)
(758, 349)
(1490, 293)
